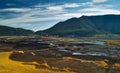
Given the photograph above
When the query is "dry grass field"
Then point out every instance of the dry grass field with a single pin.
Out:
(22, 59)
(9, 66)
(112, 42)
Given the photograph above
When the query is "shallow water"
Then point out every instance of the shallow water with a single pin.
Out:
(94, 51)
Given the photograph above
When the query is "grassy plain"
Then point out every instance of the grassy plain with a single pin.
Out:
(54, 64)
(9, 66)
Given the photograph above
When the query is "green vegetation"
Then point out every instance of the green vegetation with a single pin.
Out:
(10, 31)
(85, 26)
(98, 37)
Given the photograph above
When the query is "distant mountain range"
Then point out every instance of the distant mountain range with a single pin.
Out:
(10, 31)
(83, 26)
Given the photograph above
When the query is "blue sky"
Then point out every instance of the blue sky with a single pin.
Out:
(42, 14)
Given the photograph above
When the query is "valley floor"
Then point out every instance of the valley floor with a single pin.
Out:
(9, 66)
(58, 55)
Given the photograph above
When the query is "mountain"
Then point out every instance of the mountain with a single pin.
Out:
(10, 31)
(85, 26)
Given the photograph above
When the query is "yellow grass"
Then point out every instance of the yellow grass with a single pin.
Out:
(9, 66)
(33, 53)
(104, 64)
(67, 69)
(112, 42)
(45, 65)
(98, 63)
(117, 66)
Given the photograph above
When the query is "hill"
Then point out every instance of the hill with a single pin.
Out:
(85, 26)
(10, 31)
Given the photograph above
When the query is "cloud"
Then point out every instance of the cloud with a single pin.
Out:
(72, 5)
(15, 9)
(30, 16)
(63, 6)
(39, 13)
(53, 13)
(101, 11)
(55, 8)
(99, 1)
(69, 15)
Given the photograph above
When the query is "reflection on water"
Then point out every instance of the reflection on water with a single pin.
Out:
(94, 43)
(90, 53)
(94, 50)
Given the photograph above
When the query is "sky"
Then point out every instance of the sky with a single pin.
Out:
(43, 14)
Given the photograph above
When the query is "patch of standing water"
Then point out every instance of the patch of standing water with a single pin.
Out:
(92, 51)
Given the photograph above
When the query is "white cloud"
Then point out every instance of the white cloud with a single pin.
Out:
(42, 6)
(100, 11)
(62, 7)
(55, 8)
(99, 1)
(16, 9)
(30, 16)
(55, 12)
(69, 15)
(72, 5)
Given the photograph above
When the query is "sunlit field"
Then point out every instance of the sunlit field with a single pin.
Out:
(58, 55)
(9, 66)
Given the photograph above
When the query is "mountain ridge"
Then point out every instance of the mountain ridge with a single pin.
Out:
(85, 26)
(10, 31)
(78, 27)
